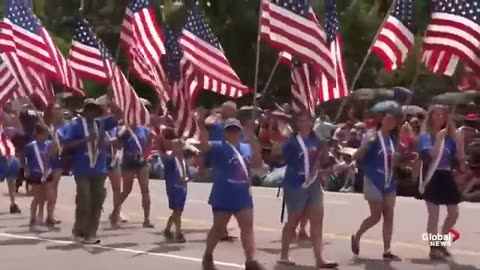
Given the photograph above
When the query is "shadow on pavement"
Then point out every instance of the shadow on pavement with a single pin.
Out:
(162, 248)
(294, 267)
(94, 250)
(20, 242)
(457, 266)
(299, 245)
(373, 264)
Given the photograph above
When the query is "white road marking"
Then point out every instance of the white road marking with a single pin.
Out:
(128, 250)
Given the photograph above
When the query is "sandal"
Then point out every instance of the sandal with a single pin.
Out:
(148, 225)
(286, 262)
(327, 265)
(389, 256)
(355, 247)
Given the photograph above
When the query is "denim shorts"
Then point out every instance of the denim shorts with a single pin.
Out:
(299, 199)
(133, 163)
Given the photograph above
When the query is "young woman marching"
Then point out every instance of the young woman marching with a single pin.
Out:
(302, 189)
(114, 155)
(54, 120)
(38, 155)
(231, 193)
(439, 150)
(177, 176)
(134, 141)
(376, 157)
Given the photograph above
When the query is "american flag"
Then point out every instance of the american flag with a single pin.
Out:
(153, 76)
(396, 37)
(140, 29)
(454, 30)
(9, 88)
(124, 95)
(202, 48)
(30, 82)
(7, 149)
(337, 88)
(440, 62)
(24, 35)
(184, 83)
(469, 80)
(292, 26)
(85, 57)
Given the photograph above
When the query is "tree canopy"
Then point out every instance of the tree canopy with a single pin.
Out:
(235, 22)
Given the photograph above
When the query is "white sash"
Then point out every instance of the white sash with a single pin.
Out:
(423, 181)
(182, 168)
(388, 171)
(306, 164)
(55, 138)
(92, 148)
(240, 159)
(136, 139)
(114, 152)
(41, 162)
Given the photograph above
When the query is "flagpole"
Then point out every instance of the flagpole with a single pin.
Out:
(257, 59)
(364, 62)
(270, 78)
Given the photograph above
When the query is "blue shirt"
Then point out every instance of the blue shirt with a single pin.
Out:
(294, 157)
(231, 184)
(215, 131)
(426, 142)
(130, 146)
(81, 162)
(373, 163)
(173, 180)
(32, 161)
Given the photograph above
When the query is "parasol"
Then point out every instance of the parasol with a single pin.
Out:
(413, 110)
(386, 106)
(402, 94)
(372, 93)
(452, 98)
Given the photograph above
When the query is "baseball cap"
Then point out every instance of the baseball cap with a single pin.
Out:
(232, 122)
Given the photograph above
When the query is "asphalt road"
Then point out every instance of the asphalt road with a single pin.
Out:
(134, 248)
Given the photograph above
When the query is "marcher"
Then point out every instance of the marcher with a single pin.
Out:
(440, 149)
(84, 137)
(302, 189)
(377, 156)
(231, 162)
(177, 175)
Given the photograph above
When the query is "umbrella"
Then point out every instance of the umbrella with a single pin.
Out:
(451, 98)
(413, 110)
(386, 106)
(402, 94)
(371, 93)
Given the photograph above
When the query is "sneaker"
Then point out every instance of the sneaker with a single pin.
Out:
(123, 218)
(51, 222)
(168, 235)
(389, 256)
(445, 252)
(76, 238)
(208, 263)
(180, 238)
(253, 265)
(91, 241)
(14, 209)
(34, 228)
